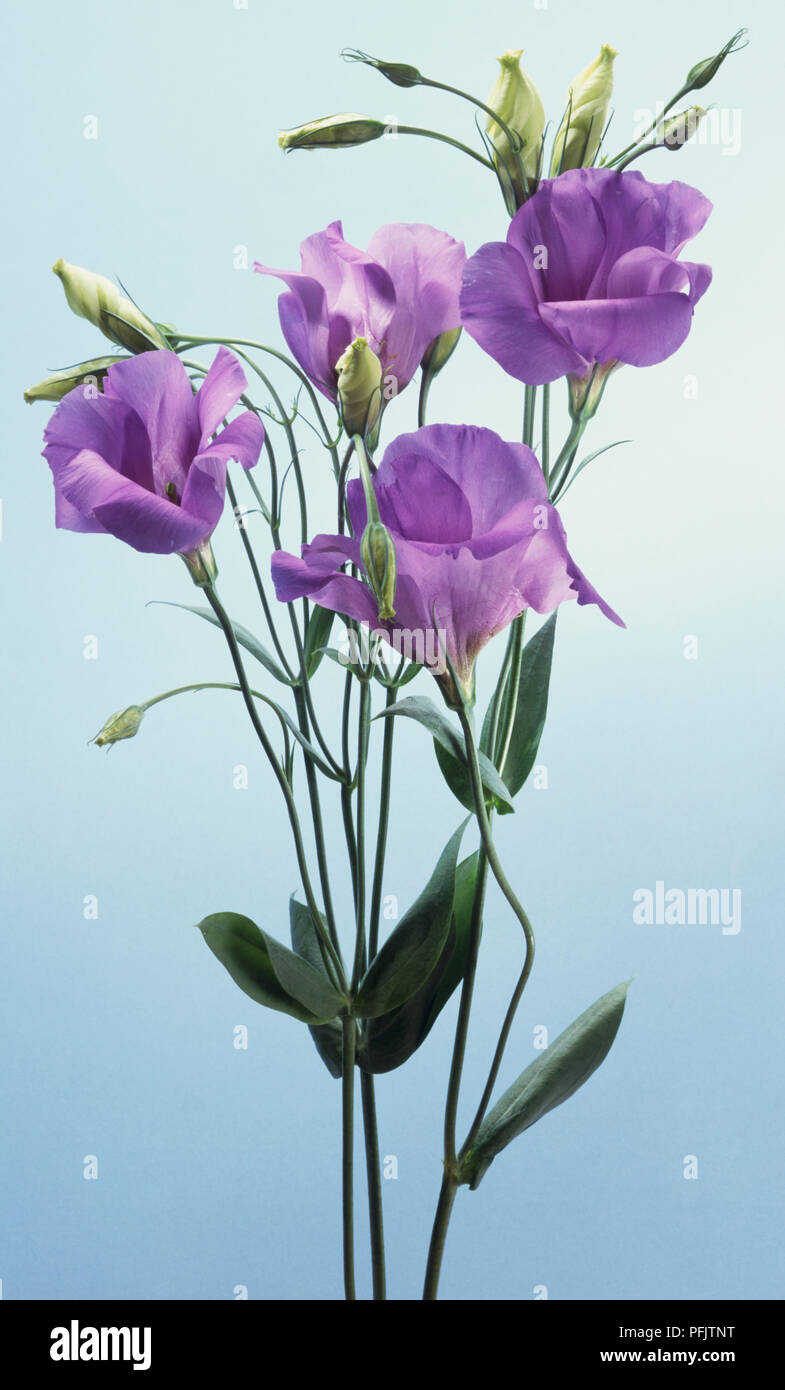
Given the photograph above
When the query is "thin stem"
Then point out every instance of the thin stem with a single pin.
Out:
(512, 690)
(362, 760)
(384, 823)
(332, 959)
(258, 582)
(564, 462)
(373, 1170)
(438, 1237)
(349, 1029)
(445, 140)
(545, 446)
(318, 827)
(530, 398)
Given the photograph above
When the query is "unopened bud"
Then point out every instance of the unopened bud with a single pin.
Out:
(124, 724)
(332, 133)
(703, 72)
(677, 130)
(359, 387)
(516, 100)
(377, 549)
(402, 74)
(96, 299)
(89, 374)
(439, 351)
(588, 100)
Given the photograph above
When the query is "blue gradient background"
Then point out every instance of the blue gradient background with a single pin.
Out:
(218, 1167)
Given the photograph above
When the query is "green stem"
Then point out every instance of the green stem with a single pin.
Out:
(373, 1170)
(347, 1147)
(332, 959)
(545, 446)
(362, 760)
(445, 140)
(384, 823)
(529, 401)
(438, 1237)
(564, 462)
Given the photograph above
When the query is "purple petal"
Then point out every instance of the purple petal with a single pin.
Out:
(548, 222)
(106, 427)
(425, 266)
(156, 386)
(219, 393)
(639, 332)
(143, 520)
(497, 310)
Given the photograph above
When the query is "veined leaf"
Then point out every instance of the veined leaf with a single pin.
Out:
(328, 1037)
(531, 708)
(269, 972)
(450, 752)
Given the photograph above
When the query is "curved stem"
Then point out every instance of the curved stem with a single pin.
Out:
(438, 1237)
(446, 140)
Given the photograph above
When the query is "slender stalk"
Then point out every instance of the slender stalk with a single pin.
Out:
(373, 1170)
(362, 760)
(384, 823)
(564, 462)
(439, 1236)
(332, 959)
(445, 140)
(258, 582)
(530, 399)
(545, 446)
(349, 1028)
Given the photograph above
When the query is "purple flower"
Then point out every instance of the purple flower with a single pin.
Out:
(138, 460)
(474, 535)
(588, 275)
(399, 295)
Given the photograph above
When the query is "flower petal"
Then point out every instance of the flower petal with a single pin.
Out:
(140, 518)
(219, 392)
(157, 387)
(639, 331)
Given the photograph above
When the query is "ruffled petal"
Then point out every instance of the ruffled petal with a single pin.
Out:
(639, 331)
(156, 386)
(219, 393)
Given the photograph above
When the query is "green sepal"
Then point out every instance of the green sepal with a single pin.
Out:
(410, 953)
(269, 972)
(553, 1078)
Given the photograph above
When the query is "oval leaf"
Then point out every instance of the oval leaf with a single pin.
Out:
(410, 953)
(392, 1038)
(553, 1078)
(451, 753)
(267, 971)
(317, 635)
(531, 708)
(328, 1037)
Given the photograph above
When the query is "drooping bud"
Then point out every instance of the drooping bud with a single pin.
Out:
(124, 724)
(96, 299)
(677, 130)
(402, 74)
(359, 387)
(380, 563)
(702, 73)
(588, 100)
(333, 133)
(516, 100)
(87, 374)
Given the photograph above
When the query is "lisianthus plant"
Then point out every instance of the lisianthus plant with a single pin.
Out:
(439, 540)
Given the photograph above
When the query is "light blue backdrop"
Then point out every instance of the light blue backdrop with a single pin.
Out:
(217, 1167)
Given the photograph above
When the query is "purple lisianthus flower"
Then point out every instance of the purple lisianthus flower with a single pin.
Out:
(399, 295)
(588, 276)
(476, 542)
(138, 460)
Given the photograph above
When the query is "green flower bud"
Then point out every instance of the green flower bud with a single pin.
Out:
(402, 74)
(588, 99)
(677, 130)
(439, 351)
(332, 132)
(380, 563)
(89, 374)
(359, 387)
(702, 73)
(96, 299)
(124, 724)
(516, 99)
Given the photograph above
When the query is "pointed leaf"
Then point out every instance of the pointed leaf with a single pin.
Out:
(317, 635)
(244, 637)
(553, 1078)
(532, 707)
(328, 1037)
(450, 752)
(410, 953)
(393, 1037)
(267, 971)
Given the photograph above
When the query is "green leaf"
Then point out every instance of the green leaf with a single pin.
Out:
(553, 1078)
(410, 953)
(531, 708)
(244, 637)
(328, 1037)
(590, 459)
(391, 1038)
(269, 972)
(317, 635)
(450, 752)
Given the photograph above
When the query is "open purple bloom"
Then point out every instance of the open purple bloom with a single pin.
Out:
(399, 295)
(588, 275)
(475, 536)
(138, 460)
